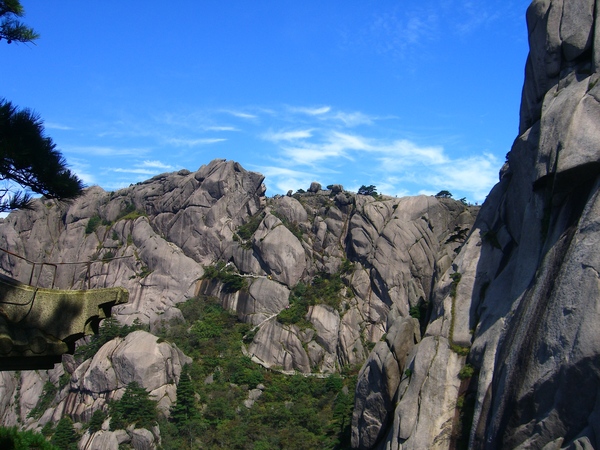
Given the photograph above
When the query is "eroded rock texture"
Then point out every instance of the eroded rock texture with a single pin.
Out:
(381, 255)
(524, 292)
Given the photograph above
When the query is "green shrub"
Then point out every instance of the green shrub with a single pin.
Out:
(466, 372)
(247, 230)
(93, 224)
(324, 289)
(12, 438)
(96, 421)
(109, 329)
(108, 256)
(48, 393)
(415, 312)
(144, 272)
(444, 194)
(455, 277)
(232, 282)
(368, 190)
(293, 411)
(459, 349)
(347, 266)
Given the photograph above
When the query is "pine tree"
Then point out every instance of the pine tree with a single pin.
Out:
(11, 28)
(27, 157)
(96, 421)
(184, 410)
(134, 407)
(30, 158)
(184, 413)
(65, 436)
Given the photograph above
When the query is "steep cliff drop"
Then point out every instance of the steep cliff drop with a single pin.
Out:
(511, 356)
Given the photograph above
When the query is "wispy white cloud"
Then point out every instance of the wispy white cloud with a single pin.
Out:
(353, 119)
(475, 174)
(285, 180)
(82, 169)
(146, 168)
(240, 114)
(180, 142)
(401, 153)
(106, 151)
(298, 145)
(56, 126)
(315, 111)
(396, 165)
(132, 170)
(157, 165)
(400, 32)
(221, 128)
(292, 135)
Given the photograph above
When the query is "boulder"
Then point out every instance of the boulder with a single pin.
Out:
(314, 187)
(280, 251)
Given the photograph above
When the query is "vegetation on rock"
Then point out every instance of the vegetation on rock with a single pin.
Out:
(12, 438)
(246, 231)
(135, 407)
(109, 329)
(368, 190)
(232, 282)
(324, 289)
(291, 411)
(65, 437)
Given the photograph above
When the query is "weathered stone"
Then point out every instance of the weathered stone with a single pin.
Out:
(277, 346)
(314, 187)
(291, 209)
(142, 439)
(100, 440)
(280, 251)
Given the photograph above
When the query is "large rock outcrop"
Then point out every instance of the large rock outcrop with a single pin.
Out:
(367, 264)
(523, 294)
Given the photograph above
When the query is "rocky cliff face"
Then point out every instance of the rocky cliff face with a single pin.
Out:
(510, 357)
(364, 263)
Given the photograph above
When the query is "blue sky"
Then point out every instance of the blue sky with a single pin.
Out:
(410, 96)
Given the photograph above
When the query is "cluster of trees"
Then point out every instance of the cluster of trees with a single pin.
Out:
(292, 412)
(29, 160)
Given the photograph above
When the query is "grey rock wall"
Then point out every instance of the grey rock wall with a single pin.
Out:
(527, 301)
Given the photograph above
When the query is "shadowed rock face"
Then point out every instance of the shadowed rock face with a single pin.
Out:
(527, 297)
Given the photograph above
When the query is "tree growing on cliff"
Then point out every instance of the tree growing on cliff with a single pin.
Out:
(27, 156)
(11, 29)
(65, 436)
(444, 194)
(30, 159)
(368, 190)
(184, 410)
(135, 407)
